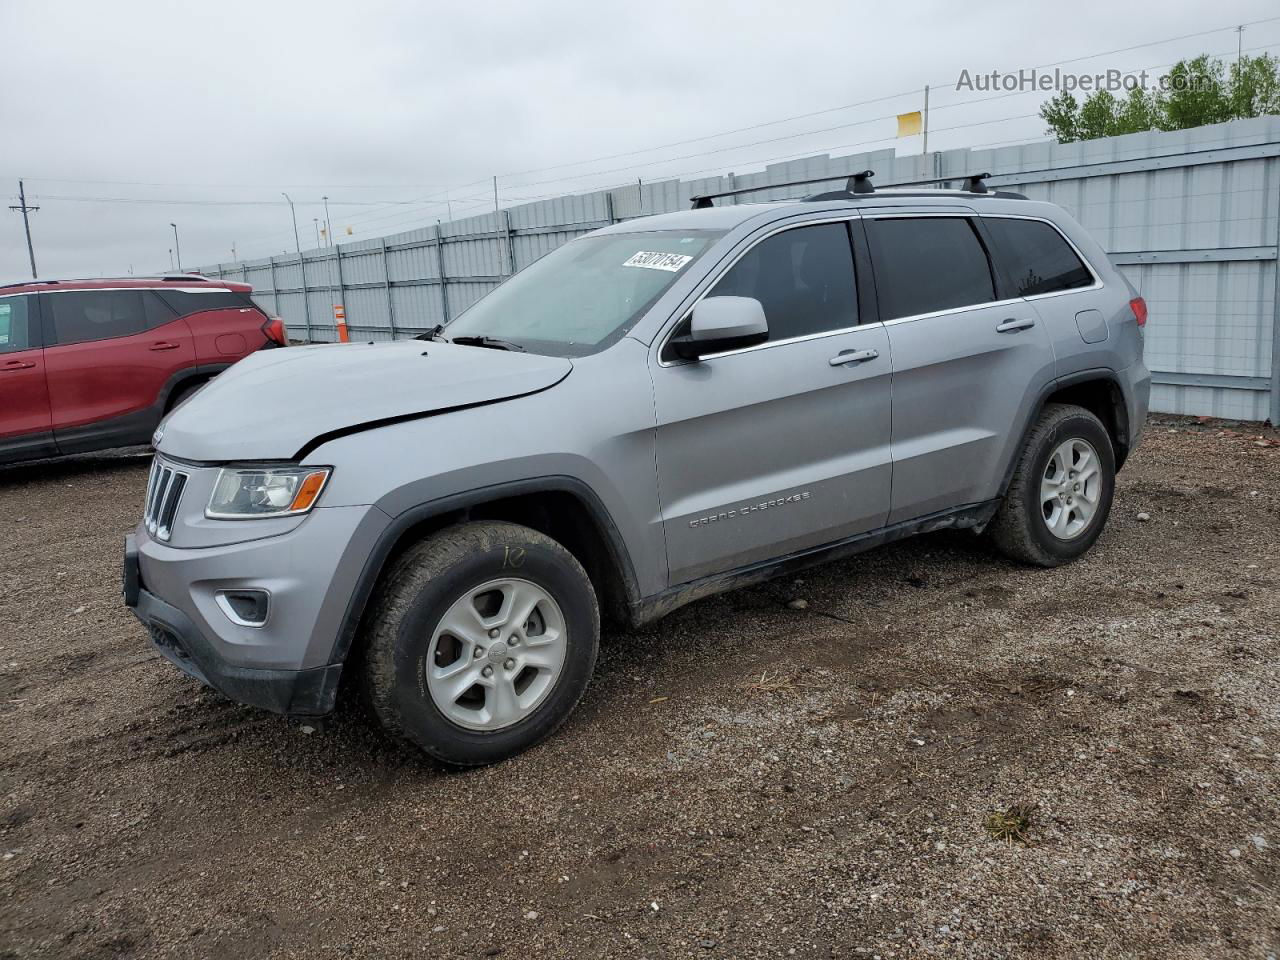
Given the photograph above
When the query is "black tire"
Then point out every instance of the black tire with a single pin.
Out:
(182, 394)
(1019, 529)
(416, 594)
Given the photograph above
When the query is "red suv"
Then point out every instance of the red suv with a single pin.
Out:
(91, 364)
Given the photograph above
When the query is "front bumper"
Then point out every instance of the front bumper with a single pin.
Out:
(304, 692)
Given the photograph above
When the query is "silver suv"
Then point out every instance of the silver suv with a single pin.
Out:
(652, 413)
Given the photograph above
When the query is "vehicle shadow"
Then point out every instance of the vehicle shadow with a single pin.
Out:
(78, 465)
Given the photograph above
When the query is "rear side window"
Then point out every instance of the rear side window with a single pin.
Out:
(15, 325)
(803, 277)
(215, 299)
(1036, 256)
(926, 264)
(96, 314)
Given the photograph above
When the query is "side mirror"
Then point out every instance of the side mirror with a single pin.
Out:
(722, 323)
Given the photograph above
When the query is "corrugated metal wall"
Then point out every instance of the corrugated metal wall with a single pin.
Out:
(1192, 217)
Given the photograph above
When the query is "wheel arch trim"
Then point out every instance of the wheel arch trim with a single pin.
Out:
(1092, 375)
(376, 561)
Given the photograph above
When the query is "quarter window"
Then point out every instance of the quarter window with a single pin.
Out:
(96, 314)
(1036, 256)
(803, 278)
(926, 264)
(15, 328)
(185, 303)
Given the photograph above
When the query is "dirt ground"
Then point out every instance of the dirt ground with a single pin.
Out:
(743, 779)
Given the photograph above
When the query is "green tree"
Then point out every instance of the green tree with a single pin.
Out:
(1255, 86)
(1194, 92)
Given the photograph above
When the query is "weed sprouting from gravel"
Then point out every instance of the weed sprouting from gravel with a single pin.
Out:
(1012, 824)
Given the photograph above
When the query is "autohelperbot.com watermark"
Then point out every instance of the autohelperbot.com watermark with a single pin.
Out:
(1061, 81)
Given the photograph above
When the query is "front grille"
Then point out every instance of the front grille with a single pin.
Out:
(164, 491)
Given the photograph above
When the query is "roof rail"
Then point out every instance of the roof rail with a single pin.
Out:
(28, 283)
(859, 185)
(165, 278)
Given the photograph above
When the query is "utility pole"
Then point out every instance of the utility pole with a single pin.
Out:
(328, 224)
(233, 249)
(171, 258)
(925, 145)
(26, 224)
(1239, 45)
(177, 246)
(316, 221)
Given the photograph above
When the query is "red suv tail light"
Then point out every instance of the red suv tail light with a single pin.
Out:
(1139, 308)
(275, 330)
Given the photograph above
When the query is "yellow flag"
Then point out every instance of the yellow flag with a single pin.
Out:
(909, 124)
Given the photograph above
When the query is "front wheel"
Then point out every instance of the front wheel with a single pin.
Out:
(481, 641)
(1060, 496)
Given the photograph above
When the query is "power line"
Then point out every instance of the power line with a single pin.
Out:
(218, 203)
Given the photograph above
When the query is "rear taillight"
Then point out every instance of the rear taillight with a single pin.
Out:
(275, 330)
(1139, 308)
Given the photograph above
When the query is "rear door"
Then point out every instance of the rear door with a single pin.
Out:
(968, 361)
(783, 446)
(111, 355)
(25, 423)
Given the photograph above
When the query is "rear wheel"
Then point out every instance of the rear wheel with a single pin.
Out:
(1062, 488)
(480, 642)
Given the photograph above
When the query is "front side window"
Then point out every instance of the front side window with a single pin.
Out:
(585, 295)
(15, 328)
(926, 264)
(1036, 256)
(802, 277)
(82, 315)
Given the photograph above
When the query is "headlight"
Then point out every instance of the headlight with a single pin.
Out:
(242, 494)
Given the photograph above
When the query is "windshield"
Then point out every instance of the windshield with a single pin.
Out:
(585, 295)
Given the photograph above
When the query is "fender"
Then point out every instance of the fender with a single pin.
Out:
(1052, 387)
(462, 501)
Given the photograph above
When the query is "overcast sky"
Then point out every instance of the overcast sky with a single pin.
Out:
(222, 106)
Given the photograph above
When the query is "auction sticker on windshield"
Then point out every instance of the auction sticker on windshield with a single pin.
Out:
(671, 262)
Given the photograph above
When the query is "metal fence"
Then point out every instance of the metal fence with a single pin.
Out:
(1192, 217)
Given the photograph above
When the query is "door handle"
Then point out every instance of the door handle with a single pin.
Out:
(18, 365)
(853, 356)
(1013, 326)
(164, 345)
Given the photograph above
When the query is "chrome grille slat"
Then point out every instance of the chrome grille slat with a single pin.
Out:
(164, 492)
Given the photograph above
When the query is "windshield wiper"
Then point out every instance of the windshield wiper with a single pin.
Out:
(492, 343)
(435, 333)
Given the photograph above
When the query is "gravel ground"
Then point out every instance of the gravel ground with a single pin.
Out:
(751, 777)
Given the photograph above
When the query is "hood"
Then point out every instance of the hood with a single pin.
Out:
(275, 403)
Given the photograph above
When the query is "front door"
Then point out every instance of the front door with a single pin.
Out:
(783, 446)
(25, 429)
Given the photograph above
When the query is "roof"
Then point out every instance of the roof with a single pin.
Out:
(125, 283)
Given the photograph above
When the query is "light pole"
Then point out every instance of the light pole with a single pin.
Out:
(296, 242)
(328, 224)
(171, 258)
(316, 221)
(302, 267)
(176, 245)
